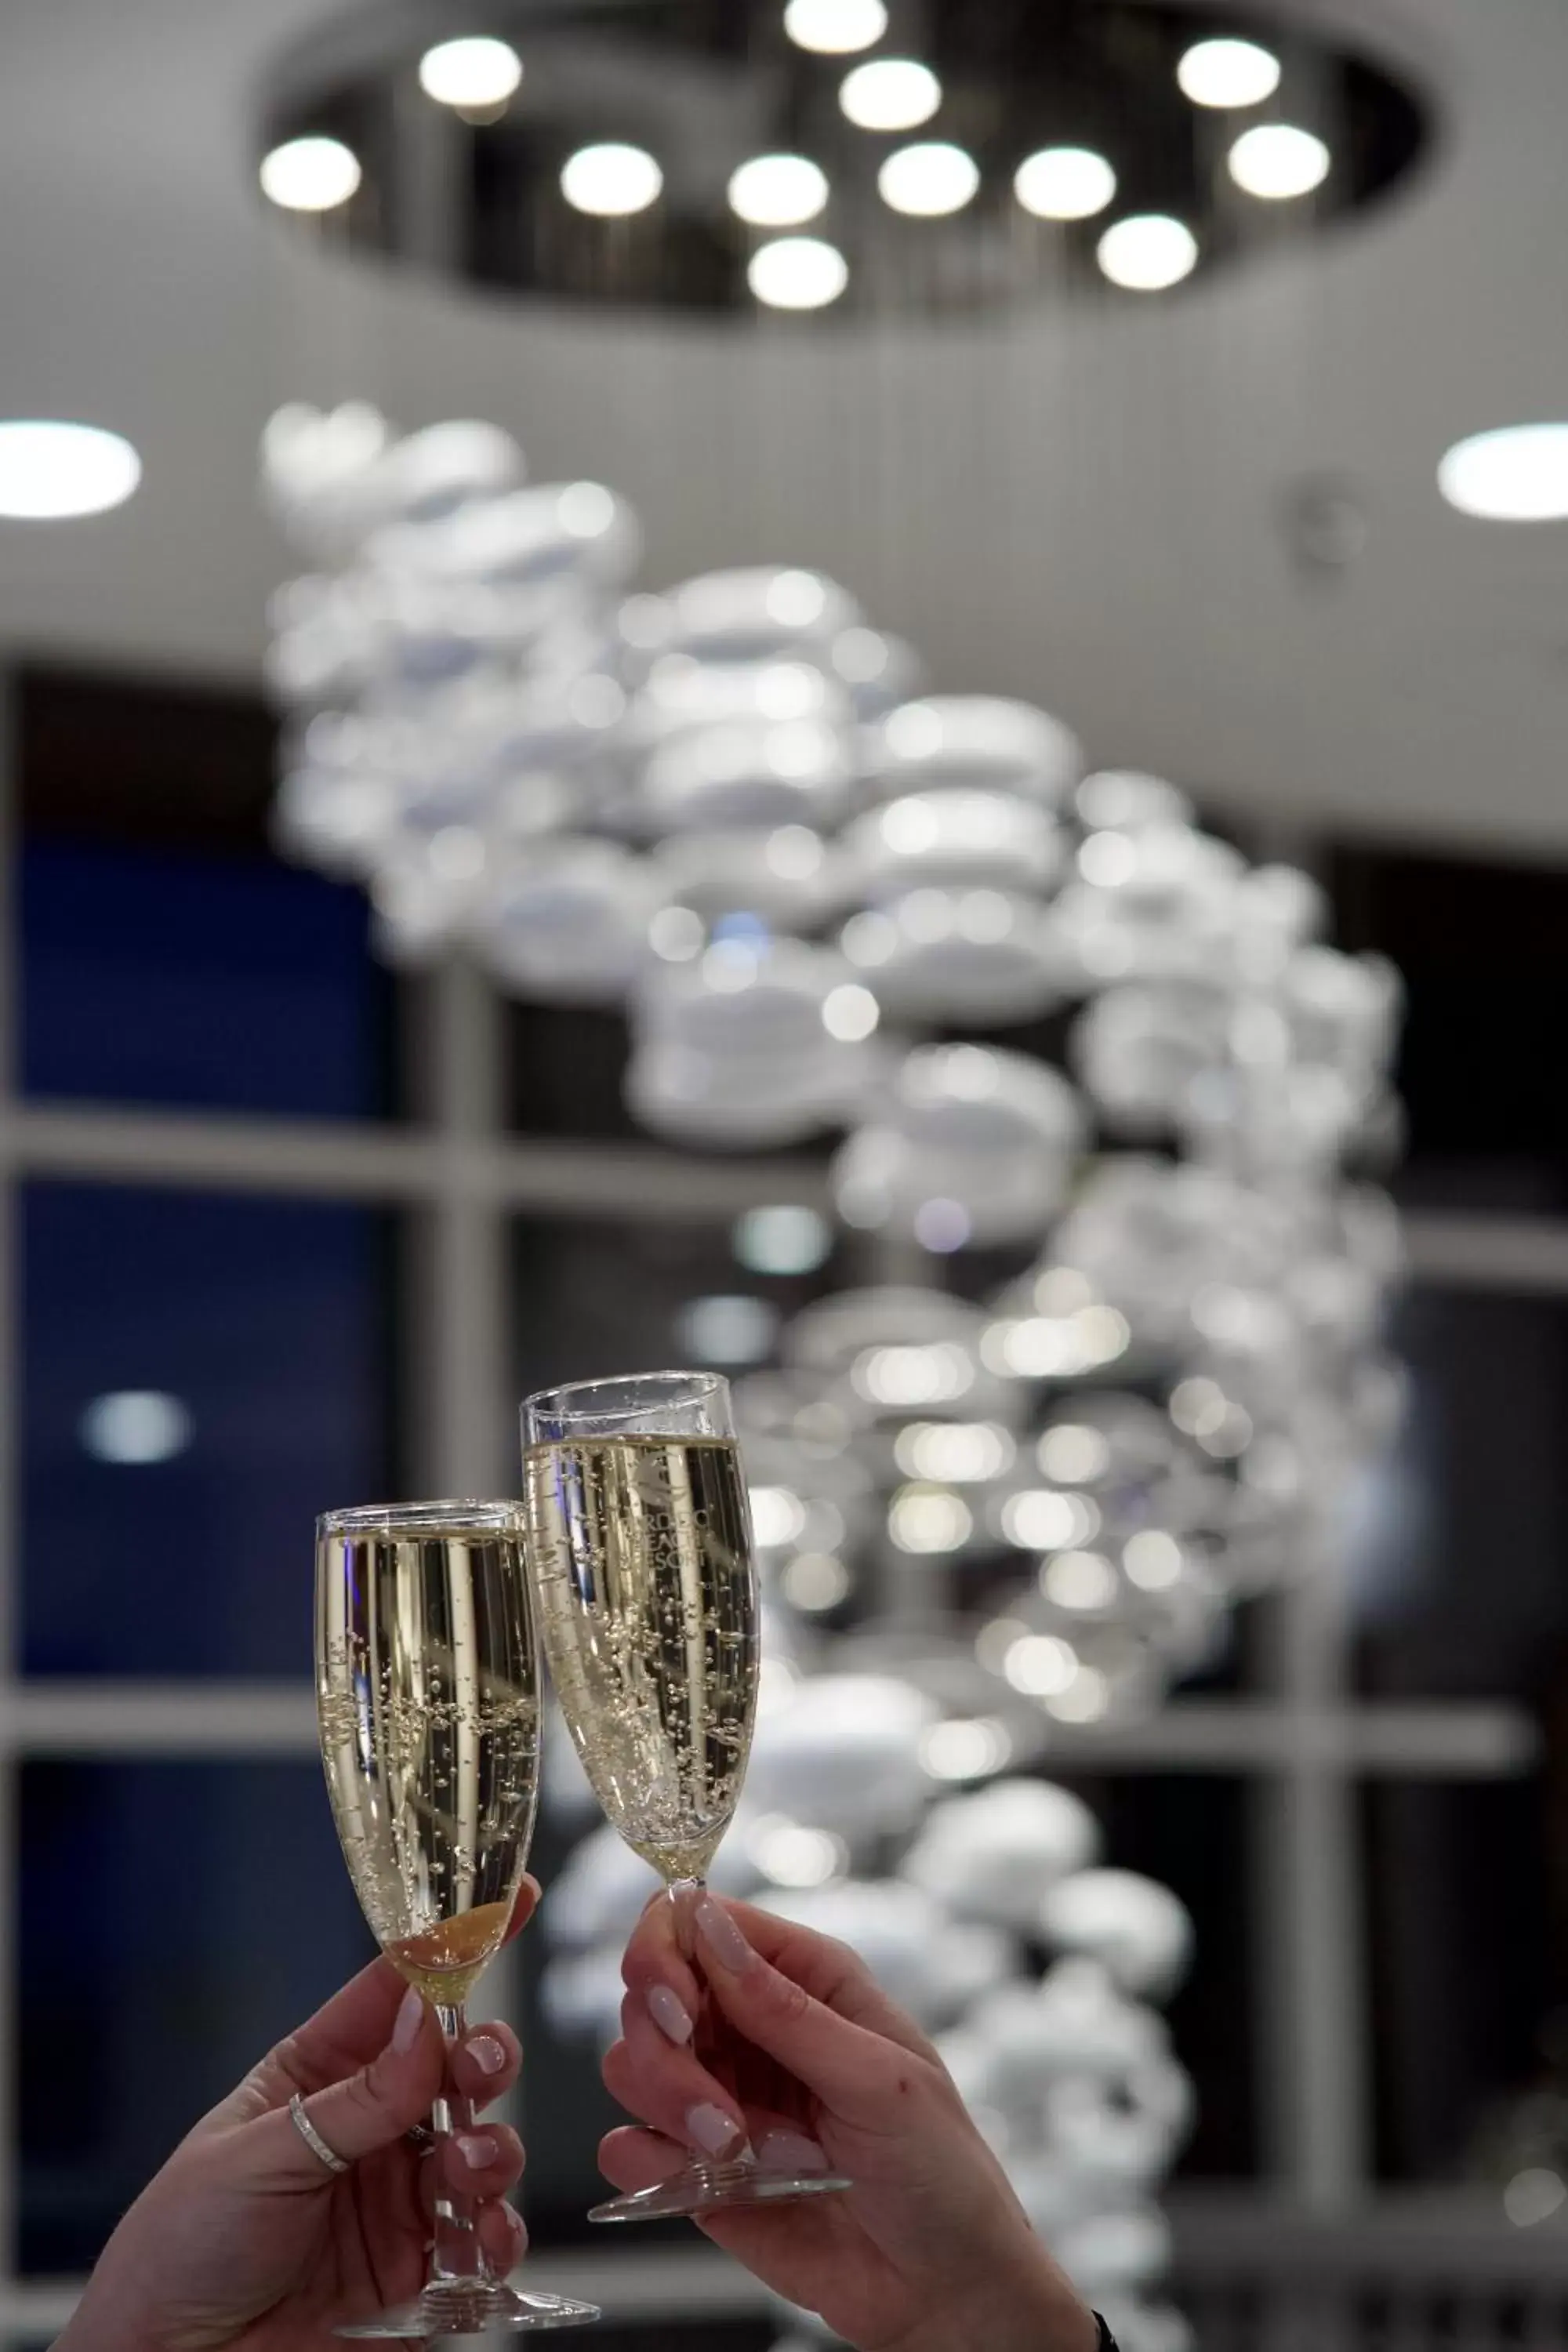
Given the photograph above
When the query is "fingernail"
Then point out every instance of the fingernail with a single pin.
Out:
(477, 2149)
(712, 2129)
(487, 2054)
(668, 2012)
(410, 2018)
(788, 2151)
(721, 1936)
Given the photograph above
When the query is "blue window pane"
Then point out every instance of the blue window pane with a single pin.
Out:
(233, 984)
(176, 1920)
(201, 1376)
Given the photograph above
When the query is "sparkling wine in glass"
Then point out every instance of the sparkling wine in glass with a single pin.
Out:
(639, 1550)
(427, 1701)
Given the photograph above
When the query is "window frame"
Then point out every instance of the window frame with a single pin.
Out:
(1301, 1738)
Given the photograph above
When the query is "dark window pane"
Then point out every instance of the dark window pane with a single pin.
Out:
(596, 1297)
(1469, 1908)
(566, 1069)
(1191, 1831)
(163, 977)
(258, 1329)
(176, 1921)
(1483, 948)
(1459, 1548)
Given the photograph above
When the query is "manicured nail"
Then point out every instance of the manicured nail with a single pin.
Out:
(477, 2149)
(410, 2018)
(722, 1936)
(668, 2012)
(712, 2129)
(789, 2151)
(487, 2054)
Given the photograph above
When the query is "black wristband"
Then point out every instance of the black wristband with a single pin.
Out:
(1107, 2341)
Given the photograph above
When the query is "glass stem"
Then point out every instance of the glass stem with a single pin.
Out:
(457, 2252)
(686, 1893)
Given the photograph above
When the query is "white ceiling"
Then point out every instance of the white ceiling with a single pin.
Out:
(1084, 511)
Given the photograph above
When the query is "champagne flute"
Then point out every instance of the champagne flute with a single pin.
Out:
(639, 1549)
(427, 1701)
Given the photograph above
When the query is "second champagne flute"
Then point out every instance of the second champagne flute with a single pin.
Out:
(427, 1698)
(639, 1549)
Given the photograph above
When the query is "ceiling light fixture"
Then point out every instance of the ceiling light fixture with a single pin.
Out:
(1147, 252)
(50, 471)
(611, 180)
(778, 191)
(797, 273)
(1516, 473)
(834, 28)
(928, 180)
(1277, 161)
(309, 175)
(1227, 73)
(975, 89)
(890, 94)
(1064, 184)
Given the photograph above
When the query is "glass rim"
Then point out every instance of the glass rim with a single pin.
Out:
(449, 1513)
(699, 1385)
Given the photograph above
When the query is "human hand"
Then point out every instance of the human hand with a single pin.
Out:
(245, 2239)
(930, 2251)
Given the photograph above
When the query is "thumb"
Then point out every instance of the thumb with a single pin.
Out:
(373, 2108)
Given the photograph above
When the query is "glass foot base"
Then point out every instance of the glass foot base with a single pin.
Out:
(461, 2307)
(705, 2188)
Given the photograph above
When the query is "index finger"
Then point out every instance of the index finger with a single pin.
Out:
(655, 1959)
(829, 1971)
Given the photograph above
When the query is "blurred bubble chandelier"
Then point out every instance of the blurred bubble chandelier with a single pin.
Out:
(843, 157)
(986, 1524)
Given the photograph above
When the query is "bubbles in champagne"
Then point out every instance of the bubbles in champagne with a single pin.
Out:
(641, 1555)
(428, 1709)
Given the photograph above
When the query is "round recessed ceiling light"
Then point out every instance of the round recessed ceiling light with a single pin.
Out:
(611, 180)
(50, 471)
(1229, 73)
(310, 175)
(1517, 473)
(475, 71)
(1147, 252)
(890, 94)
(797, 273)
(1276, 160)
(1064, 184)
(778, 191)
(929, 179)
(836, 29)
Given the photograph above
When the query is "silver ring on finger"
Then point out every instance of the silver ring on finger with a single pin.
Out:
(312, 2137)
